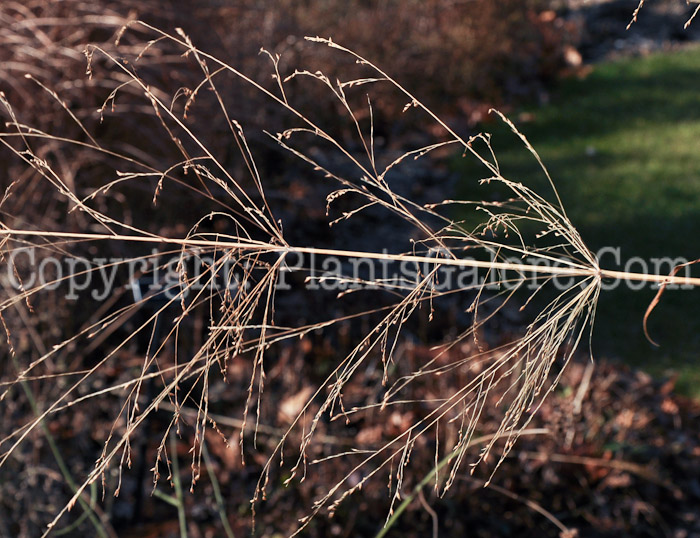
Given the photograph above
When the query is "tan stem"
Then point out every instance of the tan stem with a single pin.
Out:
(574, 270)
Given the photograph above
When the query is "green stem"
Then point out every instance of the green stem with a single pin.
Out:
(178, 488)
(167, 498)
(217, 492)
(429, 477)
(70, 528)
(65, 471)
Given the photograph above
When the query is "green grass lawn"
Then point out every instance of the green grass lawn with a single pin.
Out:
(623, 147)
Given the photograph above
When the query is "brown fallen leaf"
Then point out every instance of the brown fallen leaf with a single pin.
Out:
(290, 407)
(657, 298)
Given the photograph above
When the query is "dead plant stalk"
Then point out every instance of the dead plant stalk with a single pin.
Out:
(283, 250)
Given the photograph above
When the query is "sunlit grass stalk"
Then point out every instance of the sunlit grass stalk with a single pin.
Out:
(574, 270)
